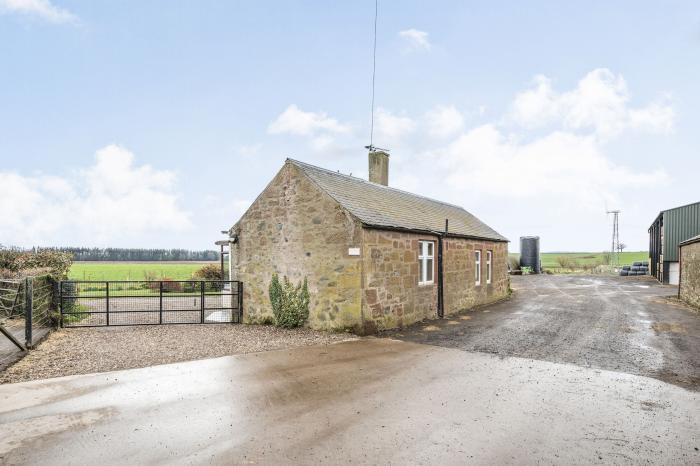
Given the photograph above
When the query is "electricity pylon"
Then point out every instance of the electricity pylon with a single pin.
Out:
(614, 250)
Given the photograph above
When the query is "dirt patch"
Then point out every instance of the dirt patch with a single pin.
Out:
(674, 301)
(668, 327)
(89, 350)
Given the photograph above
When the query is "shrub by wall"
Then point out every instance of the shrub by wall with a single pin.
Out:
(290, 303)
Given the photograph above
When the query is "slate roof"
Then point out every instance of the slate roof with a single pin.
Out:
(381, 206)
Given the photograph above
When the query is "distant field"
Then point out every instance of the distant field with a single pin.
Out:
(134, 270)
(549, 259)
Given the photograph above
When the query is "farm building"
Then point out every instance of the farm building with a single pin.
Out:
(670, 228)
(375, 257)
(689, 286)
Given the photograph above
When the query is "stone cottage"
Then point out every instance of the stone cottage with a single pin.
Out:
(375, 257)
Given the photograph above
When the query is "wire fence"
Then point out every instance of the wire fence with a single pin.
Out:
(28, 312)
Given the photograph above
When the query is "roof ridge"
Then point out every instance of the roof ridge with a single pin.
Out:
(355, 178)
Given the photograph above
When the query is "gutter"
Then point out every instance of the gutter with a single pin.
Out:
(680, 271)
(444, 234)
(441, 297)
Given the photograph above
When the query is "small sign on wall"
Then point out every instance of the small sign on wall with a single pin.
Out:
(353, 251)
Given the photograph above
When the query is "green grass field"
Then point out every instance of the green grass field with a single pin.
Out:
(133, 270)
(549, 259)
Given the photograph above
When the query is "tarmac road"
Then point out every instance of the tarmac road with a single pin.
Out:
(521, 382)
(623, 324)
(370, 401)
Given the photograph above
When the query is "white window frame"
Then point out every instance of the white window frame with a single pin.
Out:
(477, 266)
(423, 260)
(489, 256)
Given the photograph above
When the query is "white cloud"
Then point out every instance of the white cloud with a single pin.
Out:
(558, 166)
(296, 121)
(391, 128)
(112, 199)
(320, 129)
(43, 9)
(416, 40)
(444, 121)
(555, 181)
(600, 102)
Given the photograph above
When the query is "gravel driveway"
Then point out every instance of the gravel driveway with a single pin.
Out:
(87, 350)
(623, 324)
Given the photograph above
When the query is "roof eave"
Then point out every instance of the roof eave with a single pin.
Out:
(433, 232)
(690, 241)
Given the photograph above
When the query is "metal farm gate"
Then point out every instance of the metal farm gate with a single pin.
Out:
(117, 303)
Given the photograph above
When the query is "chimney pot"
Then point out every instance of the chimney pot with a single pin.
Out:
(379, 167)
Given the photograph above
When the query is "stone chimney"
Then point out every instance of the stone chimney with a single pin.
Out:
(379, 167)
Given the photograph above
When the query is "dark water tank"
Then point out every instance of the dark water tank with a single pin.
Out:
(530, 252)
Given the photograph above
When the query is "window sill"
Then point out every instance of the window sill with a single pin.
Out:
(425, 283)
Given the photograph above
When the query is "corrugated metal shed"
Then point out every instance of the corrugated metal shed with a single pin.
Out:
(679, 224)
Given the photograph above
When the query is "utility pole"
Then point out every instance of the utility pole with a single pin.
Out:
(614, 250)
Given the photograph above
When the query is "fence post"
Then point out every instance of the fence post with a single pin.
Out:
(54, 301)
(240, 302)
(28, 305)
(160, 313)
(60, 301)
(107, 300)
(201, 287)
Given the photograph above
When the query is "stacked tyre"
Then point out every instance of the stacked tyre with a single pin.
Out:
(637, 268)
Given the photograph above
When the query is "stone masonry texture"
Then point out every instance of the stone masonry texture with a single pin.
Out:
(392, 296)
(296, 229)
(690, 274)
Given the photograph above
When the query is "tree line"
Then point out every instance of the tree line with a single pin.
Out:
(133, 254)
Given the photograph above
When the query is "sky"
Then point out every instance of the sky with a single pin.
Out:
(156, 124)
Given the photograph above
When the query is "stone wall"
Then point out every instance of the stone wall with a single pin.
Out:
(295, 229)
(690, 274)
(460, 289)
(392, 296)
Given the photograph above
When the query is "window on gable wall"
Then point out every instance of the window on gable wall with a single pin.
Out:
(426, 257)
(477, 266)
(488, 267)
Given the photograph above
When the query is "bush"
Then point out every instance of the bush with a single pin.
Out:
(170, 286)
(290, 304)
(22, 263)
(513, 263)
(566, 262)
(209, 272)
